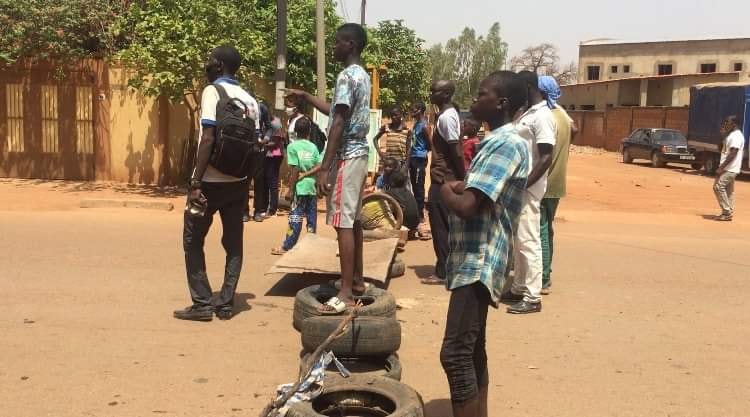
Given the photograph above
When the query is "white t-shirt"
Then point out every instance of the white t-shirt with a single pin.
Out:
(537, 126)
(449, 125)
(292, 123)
(209, 100)
(734, 140)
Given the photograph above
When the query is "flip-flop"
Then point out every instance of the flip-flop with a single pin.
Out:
(336, 304)
(337, 284)
(278, 251)
(433, 280)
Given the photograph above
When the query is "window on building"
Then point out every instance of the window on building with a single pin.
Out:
(708, 68)
(738, 66)
(665, 69)
(593, 73)
(50, 125)
(614, 69)
(626, 69)
(14, 106)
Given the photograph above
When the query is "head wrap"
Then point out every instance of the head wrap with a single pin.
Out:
(548, 86)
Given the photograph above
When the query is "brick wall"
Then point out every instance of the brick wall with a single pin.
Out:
(606, 129)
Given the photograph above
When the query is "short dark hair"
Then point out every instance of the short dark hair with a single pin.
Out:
(302, 127)
(398, 179)
(733, 119)
(356, 33)
(390, 161)
(229, 56)
(420, 106)
(511, 86)
(472, 124)
(395, 110)
(530, 78)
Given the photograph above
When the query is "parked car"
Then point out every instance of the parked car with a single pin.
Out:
(660, 146)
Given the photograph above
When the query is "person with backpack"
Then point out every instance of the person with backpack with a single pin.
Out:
(228, 140)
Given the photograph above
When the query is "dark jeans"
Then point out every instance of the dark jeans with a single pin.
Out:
(271, 178)
(464, 356)
(439, 225)
(546, 227)
(229, 199)
(417, 173)
(260, 191)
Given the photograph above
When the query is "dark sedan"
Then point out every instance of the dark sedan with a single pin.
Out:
(659, 146)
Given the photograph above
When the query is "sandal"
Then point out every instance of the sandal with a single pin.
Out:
(337, 284)
(433, 280)
(335, 307)
(278, 251)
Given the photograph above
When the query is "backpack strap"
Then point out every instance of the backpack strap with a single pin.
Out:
(222, 91)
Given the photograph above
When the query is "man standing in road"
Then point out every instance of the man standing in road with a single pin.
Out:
(484, 212)
(447, 165)
(343, 171)
(537, 126)
(556, 178)
(218, 192)
(730, 166)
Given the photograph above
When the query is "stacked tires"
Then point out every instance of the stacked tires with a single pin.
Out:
(368, 350)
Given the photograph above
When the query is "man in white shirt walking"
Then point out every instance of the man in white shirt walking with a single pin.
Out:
(731, 164)
(537, 126)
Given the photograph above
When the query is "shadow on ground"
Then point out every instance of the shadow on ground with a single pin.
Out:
(438, 408)
(152, 191)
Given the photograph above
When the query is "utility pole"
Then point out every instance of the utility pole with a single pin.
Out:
(280, 76)
(363, 10)
(320, 43)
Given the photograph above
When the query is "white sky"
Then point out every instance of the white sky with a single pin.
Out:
(564, 23)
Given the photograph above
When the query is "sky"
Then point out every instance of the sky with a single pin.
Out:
(563, 23)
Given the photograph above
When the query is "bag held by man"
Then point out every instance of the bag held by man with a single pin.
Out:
(236, 146)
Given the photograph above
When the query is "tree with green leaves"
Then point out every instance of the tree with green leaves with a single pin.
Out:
(61, 32)
(397, 47)
(467, 59)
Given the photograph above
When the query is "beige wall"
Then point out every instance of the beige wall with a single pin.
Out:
(660, 91)
(643, 58)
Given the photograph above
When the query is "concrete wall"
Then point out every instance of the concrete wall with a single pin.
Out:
(659, 91)
(643, 58)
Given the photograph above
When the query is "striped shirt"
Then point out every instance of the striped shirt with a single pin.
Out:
(479, 246)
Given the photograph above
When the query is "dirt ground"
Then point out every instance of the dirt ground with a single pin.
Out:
(648, 315)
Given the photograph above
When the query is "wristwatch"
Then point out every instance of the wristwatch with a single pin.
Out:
(194, 184)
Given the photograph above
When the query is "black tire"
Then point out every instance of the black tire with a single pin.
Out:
(710, 165)
(361, 395)
(307, 303)
(696, 166)
(366, 336)
(657, 160)
(398, 268)
(626, 157)
(387, 367)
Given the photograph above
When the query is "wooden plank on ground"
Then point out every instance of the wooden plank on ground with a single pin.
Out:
(318, 255)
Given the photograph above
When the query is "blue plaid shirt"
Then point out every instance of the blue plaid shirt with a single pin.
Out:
(480, 246)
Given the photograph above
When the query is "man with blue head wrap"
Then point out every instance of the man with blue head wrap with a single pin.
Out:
(556, 175)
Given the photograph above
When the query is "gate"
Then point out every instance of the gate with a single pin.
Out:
(47, 124)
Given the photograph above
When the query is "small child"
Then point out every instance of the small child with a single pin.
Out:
(470, 133)
(390, 165)
(304, 160)
(406, 200)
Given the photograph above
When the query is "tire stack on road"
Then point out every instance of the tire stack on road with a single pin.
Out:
(368, 349)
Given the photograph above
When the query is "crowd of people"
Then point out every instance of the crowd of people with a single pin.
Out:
(490, 203)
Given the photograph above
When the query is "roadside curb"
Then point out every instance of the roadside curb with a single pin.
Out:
(138, 204)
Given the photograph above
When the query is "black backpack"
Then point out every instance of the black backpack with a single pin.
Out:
(317, 136)
(236, 146)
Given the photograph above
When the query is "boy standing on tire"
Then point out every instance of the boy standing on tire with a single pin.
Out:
(215, 191)
(484, 213)
(343, 171)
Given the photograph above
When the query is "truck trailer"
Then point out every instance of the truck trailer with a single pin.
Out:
(710, 104)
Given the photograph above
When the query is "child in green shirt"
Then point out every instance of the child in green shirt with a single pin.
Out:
(304, 160)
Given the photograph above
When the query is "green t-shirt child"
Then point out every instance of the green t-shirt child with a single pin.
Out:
(304, 155)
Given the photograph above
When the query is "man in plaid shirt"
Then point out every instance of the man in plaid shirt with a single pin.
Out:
(484, 212)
